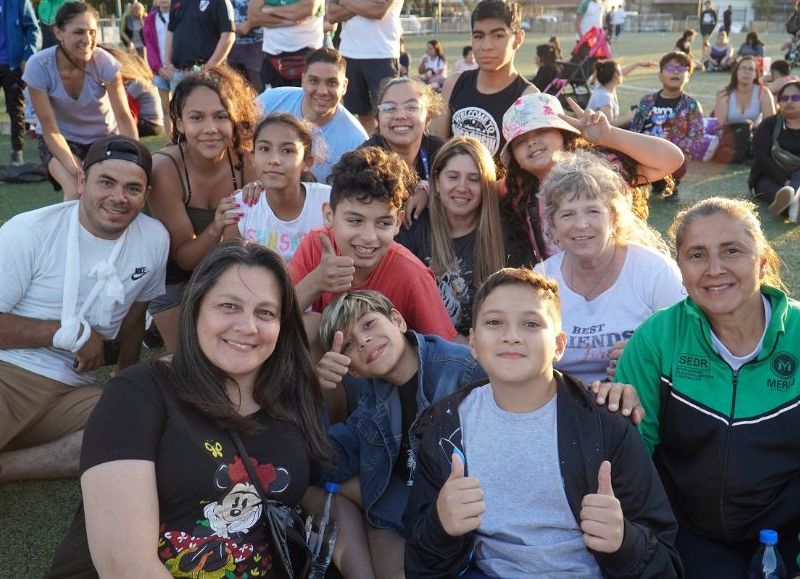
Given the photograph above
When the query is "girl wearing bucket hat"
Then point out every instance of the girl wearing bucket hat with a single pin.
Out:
(535, 127)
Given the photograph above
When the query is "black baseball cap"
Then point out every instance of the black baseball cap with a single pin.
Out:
(122, 148)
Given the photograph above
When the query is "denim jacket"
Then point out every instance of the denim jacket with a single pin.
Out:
(368, 444)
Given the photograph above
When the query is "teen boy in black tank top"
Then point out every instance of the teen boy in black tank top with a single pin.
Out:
(478, 99)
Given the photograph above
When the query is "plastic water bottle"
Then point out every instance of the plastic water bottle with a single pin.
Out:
(322, 527)
(767, 562)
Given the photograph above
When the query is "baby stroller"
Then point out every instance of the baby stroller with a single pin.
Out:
(573, 78)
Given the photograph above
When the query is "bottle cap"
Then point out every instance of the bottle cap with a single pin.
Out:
(332, 487)
(768, 537)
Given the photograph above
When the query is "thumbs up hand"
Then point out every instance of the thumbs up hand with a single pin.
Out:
(334, 365)
(460, 503)
(334, 273)
(602, 522)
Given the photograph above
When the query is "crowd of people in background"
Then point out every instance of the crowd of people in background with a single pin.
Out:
(434, 286)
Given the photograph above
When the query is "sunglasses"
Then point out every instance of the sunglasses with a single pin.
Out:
(785, 98)
(675, 68)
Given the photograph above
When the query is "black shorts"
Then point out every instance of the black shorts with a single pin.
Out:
(78, 149)
(364, 76)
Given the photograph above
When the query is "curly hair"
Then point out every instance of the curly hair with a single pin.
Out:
(371, 173)
(428, 97)
(584, 173)
(523, 187)
(236, 95)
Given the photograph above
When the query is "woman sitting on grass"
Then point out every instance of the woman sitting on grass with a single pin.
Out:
(165, 490)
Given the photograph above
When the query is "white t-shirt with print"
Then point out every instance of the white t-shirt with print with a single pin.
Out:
(32, 258)
(648, 281)
(260, 224)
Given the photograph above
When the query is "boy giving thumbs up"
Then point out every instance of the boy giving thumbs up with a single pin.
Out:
(514, 475)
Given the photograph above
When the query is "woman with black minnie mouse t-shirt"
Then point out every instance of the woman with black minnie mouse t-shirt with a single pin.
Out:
(165, 490)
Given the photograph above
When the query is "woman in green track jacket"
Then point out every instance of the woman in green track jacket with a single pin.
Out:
(718, 376)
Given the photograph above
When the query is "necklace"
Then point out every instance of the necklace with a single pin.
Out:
(590, 292)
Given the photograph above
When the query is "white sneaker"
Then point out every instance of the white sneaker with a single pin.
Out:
(783, 198)
(794, 209)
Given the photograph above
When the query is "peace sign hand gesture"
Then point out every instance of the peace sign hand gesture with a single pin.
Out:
(592, 124)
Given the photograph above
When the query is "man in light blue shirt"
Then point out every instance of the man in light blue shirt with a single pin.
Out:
(318, 101)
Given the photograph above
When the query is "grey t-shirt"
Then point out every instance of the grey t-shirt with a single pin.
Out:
(90, 116)
(528, 529)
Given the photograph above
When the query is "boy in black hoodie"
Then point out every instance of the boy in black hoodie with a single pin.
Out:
(514, 476)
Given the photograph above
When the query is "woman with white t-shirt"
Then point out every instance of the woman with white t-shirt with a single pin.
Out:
(433, 65)
(613, 270)
(281, 207)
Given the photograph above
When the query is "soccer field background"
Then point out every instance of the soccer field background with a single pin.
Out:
(34, 516)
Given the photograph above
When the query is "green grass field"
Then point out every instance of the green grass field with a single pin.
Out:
(35, 516)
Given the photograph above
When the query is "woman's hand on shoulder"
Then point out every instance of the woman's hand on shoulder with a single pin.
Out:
(251, 193)
(417, 203)
(228, 212)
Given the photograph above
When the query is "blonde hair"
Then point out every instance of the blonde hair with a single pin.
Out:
(489, 253)
(582, 173)
(347, 309)
(738, 210)
(133, 67)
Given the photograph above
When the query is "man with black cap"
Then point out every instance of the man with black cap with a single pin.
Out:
(77, 277)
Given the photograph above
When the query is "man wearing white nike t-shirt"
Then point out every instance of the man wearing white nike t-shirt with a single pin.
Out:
(77, 279)
(371, 33)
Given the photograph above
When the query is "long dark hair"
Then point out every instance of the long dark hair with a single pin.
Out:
(236, 96)
(286, 387)
(735, 74)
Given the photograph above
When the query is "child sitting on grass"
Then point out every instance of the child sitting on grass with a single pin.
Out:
(400, 374)
(505, 476)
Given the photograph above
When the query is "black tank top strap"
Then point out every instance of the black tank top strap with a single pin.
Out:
(178, 169)
(233, 172)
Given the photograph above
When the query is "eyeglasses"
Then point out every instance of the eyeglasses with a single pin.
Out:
(675, 68)
(785, 98)
(391, 109)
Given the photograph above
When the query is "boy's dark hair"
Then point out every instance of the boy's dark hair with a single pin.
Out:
(465, 51)
(544, 287)
(780, 66)
(506, 10)
(371, 173)
(326, 55)
(678, 56)
(604, 71)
